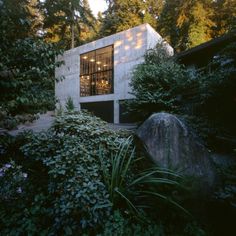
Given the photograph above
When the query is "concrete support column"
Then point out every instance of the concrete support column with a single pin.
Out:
(79, 107)
(116, 112)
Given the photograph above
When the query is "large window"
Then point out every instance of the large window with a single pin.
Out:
(96, 72)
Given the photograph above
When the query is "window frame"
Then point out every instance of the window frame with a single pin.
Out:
(95, 72)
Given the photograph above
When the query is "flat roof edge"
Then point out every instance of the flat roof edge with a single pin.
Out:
(145, 25)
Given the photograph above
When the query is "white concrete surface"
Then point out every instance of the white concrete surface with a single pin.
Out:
(129, 48)
(43, 123)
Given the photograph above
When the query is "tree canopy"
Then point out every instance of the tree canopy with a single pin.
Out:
(183, 23)
(122, 14)
(65, 20)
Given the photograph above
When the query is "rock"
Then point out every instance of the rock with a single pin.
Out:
(171, 144)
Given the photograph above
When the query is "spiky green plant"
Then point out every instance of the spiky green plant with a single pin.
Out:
(69, 104)
(141, 190)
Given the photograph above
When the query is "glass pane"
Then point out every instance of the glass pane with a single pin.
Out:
(96, 72)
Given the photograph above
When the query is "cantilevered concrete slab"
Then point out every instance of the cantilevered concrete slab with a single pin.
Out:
(128, 49)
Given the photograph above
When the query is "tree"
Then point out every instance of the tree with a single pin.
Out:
(88, 32)
(27, 76)
(225, 16)
(187, 23)
(17, 19)
(200, 26)
(64, 20)
(167, 22)
(27, 63)
(122, 15)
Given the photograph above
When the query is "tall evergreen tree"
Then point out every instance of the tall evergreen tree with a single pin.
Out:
(122, 14)
(63, 20)
(88, 32)
(186, 23)
(167, 21)
(225, 16)
(17, 19)
(194, 22)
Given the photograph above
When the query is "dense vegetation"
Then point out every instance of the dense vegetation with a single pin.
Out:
(27, 78)
(204, 97)
(80, 177)
(27, 66)
(183, 23)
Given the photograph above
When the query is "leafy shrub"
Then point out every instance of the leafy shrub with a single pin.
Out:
(158, 84)
(193, 229)
(27, 75)
(12, 178)
(65, 190)
(71, 178)
(213, 100)
(7, 121)
(119, 225)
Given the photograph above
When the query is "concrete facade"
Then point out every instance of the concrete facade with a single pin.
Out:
(129, 47)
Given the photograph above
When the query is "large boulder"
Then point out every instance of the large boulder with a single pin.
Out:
(171, 144)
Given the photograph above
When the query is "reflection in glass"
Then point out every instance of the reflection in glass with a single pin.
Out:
(96, 72)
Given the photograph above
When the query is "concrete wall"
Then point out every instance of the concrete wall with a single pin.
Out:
(129, 48)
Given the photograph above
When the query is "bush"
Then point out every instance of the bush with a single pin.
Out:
(158, 84)
(119, 225)
(205, 98)
(64, 192)
(7, 121)
(27, 75)
(70, 179)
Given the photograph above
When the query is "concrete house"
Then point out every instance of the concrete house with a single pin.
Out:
(97, 74)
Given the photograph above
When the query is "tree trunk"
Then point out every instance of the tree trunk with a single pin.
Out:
(72, 35)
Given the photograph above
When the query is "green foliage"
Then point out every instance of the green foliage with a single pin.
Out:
(16, 21)
(158, 84)
(226, 193)
(186, 23)
(74, 169)
(212, 103)
(27, 76)
(205, 98)
(65, 21)
(192, 229)
(59, 109)
(64, 192)
(8, 121)
(27, 63)
(116, 174)
(12, 178)
(69, 180)
(70, 104)
(119, 225)
(225, 19)
(183, 23)
(127, 188)
(122, 15)
(200, 24)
